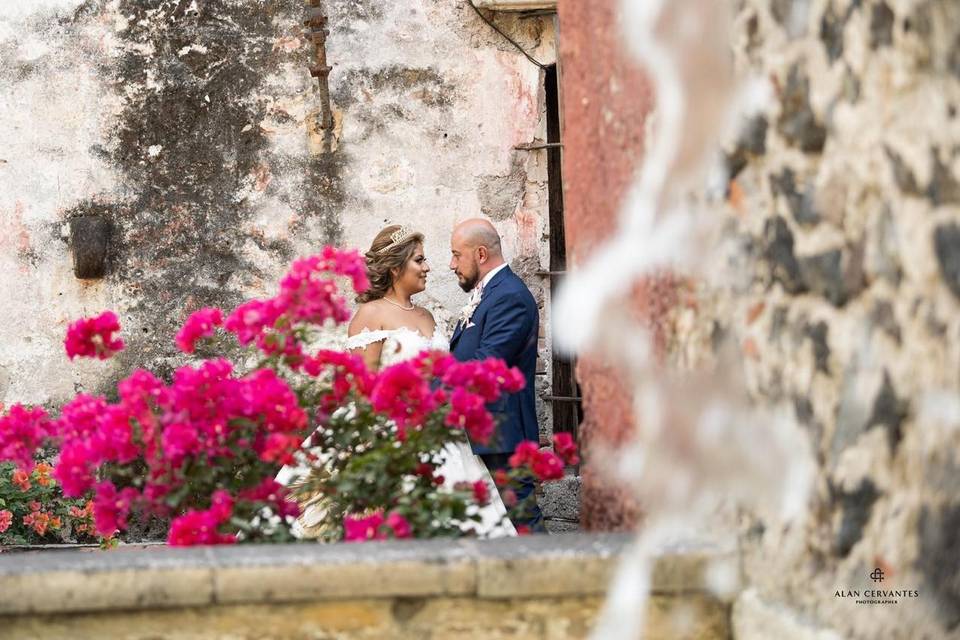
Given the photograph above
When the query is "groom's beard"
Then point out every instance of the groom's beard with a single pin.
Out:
(467, 284)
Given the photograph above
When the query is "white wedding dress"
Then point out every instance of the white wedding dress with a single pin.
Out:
(460, 464)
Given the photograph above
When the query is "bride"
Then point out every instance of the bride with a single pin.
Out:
(389, 328)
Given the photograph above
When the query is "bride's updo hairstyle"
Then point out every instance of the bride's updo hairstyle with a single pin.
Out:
(390, 250)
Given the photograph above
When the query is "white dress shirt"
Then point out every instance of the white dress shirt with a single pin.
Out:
(487, 278)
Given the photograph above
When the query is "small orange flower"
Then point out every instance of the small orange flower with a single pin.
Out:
(21, 479)
(38, 521)
(42, 474)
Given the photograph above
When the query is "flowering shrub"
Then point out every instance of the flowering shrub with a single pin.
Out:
(34, 511)
(204, 449)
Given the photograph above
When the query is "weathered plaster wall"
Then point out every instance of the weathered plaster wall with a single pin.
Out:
(192, 127)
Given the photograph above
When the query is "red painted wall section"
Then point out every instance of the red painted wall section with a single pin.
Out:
(606, 100)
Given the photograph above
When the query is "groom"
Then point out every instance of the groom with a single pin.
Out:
(500, 321)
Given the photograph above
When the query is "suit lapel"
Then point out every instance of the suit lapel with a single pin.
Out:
(485, 297)
(495, 281)
(456, 334)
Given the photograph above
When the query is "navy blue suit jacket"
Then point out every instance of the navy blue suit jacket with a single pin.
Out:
(505, 325)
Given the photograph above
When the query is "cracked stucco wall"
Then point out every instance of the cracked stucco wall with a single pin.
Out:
(194, 133)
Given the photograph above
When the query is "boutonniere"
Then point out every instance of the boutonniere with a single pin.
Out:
(467, 312)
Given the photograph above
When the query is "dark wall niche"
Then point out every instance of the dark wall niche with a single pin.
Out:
(90, 242)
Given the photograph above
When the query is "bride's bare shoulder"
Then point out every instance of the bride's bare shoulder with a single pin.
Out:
(369, 315)
(424, 312)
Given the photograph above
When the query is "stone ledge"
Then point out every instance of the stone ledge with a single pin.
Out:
(159, 578)
(517, 5)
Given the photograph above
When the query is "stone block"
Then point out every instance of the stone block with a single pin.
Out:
(755, 619)
(559, 527)
(683, 567)
(375, 578)
(546, 565)
(561, 499)
(694, 617)
(97, 591)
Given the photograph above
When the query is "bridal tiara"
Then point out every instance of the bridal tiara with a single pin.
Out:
(398, 236)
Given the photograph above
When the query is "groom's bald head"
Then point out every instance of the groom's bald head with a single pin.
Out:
(477, 232)
(475, 250)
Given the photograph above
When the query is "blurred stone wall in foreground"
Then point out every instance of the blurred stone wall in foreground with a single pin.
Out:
(844, 211)
(839, 292)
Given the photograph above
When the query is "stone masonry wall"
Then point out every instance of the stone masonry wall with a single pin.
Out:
(192, 126)
(843, 219)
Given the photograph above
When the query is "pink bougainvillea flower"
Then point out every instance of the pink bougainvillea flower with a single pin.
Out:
(547, 466)
(264, 398)
(307, 295)
(143, 395)
(468, 412)
(525, 453)
(80, 418)
(201, 324)
(196, 528)
(402, 394)
(489, 378)
(481, 492)
(93, 337)
(400, 526)
(305, 298)
(275, 495)
(376, 527)
(221, 505)
(566, 448)
(6, 519)
(22, 431)
(91, 433)
(74, 470)
(251, 319)
(424, 469)
(180, 440)
(349, 373)
(360, 529)
(113, 440)
(435, 363)
(111, 508)
(201, 527)
(347, 263)
(280, 447)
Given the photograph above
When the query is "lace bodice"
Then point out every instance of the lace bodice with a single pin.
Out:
(399, 344)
